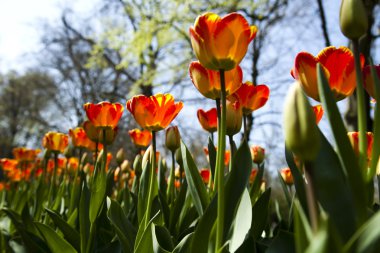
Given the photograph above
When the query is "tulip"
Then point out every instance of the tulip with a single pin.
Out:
(353, 18)
(234, 118)
(258, 154)
(338, 65)
(318, 111)
(221, 43)
(25, 154)
(141, 138)
(251, 97)
(369, 83)
(172, 138)
(80, 139)
(208, 119)
(154, 113)
(55, 142)
(205, 174)
(104, 114)
(208, 81)
(354, 139)
(253, 175)
(287, 176)
(301, 131)
(120, 156)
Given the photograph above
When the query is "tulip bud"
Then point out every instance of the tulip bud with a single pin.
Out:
(234, 116)
(137, 164)
(84, 159)
(353, 18)
(173, 138)
(120, 156)
(258, 154)
(146, 157)
(125, 166)
(287, 176)
(178, 157)
(301, 131)
(109, 135)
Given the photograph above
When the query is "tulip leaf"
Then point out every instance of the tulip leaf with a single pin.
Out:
(302, 229)
(331, 189)
(75, 194)
(84, 222)
(366, 238)
(184, 245)
(211, 156)
(162, 241)
(344, 148)
(143, 193)
(70, 234)
(254, 192)
(376, 127)
(175, 210)
(98, 192)
(196, 185)
(299, 182)
(242, 222)
(237, 182)
(200, 238)
(56, 243)
(260, 214)
(123, 228)
(144, 242)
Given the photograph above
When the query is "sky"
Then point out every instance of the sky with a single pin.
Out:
(19, 22)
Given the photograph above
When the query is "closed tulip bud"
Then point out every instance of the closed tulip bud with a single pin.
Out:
(258, 154)
(146, 157)
(353, 18)
(120, 156)
(234, 117)
(178, 157)
(137, 164)
(301, 131)
(125, 166)
(173, 138)
(84, 159)
(110, 135)
(287, 176)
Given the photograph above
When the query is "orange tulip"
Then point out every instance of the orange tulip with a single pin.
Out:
(369, 83)
(258, 154)
(141, 138)
(79, 138)
(318, 111)
(221, 43)
(205, 174)
(154, 113)
(338, 65)
(208, 119)
(251, 97)
(25, 154)
(104, 114)
(253, 175)
(56, 142)
(208, 81)
(8, 164)
(287, 176)
(354, 139)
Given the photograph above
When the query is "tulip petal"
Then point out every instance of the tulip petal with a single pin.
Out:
(306, 71)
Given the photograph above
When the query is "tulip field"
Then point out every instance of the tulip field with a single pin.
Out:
(51, 201)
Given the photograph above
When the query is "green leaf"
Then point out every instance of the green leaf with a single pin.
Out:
(184, 245)
(144, 243)
(212, 156)
(242, 222)
(302, 230)
(367, 237)
(59, 196)
(236, 183)
(345, 152)
(283, 242)
(98, 192)
(299, 182)
(260, 215)
(84, 222)
(143, 193)
(332, 190)
(75, 194)
(201, 235)
(376, 127)
(124, 229)
(285, 189)
(254, 192)
(176, 210)
(162, 241)
(70, 234)
(56, 243)
(196, 186)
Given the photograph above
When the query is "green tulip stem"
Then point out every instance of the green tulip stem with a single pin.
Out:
(151, 178)
(170, 191)
(245, 126)
(52, 183)
(104, 150)
(219, 171)
(311, 200)
(362, 120)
